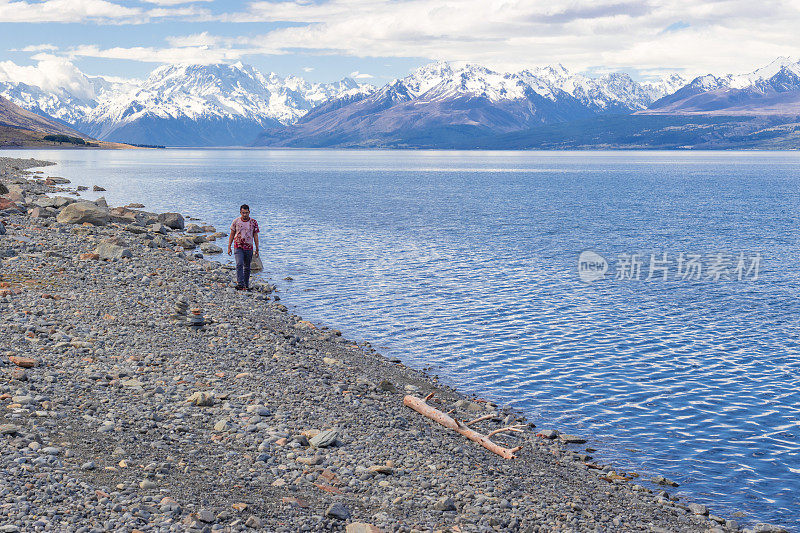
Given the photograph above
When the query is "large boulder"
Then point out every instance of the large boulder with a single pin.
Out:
(81, 212)
(111, 252)
(5, 203)
(17, 197)
(122, 214)
(158, 228)
(126, 215)
(186, 242)
(56, 202)
(42, 212)
(171, 220)
(135, 228)
(209, 248)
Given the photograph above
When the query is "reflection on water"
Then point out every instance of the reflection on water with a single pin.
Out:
(467, 262)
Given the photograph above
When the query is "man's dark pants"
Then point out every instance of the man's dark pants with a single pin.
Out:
(243, 258)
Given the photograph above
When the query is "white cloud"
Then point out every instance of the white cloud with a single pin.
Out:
(50, 75)
(37, 48)
(360, 75)
(118, 79)
(93, 11)
(650, 36)
(308, 69)
(173, 2)
(716, 36)
(193, 54)
(197, 39)
(64, 11)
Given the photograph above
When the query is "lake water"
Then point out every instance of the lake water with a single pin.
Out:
(467, 262)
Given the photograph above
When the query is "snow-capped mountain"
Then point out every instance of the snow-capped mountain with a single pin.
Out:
(456, 100)
(445, 80)
(180, 105)
(610, 92)
(207, 105)
(770, 90)
(58, 104)
(20, 127)
(69, 103)
(763, 74)
(233, 104)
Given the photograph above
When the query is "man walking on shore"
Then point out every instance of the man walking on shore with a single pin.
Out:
(244, 232)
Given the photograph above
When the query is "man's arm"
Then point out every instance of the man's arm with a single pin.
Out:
(255, 236)
(230, 240)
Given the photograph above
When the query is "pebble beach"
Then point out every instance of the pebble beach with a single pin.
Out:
(141, 392)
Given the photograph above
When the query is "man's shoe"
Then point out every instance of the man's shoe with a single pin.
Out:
(239, 288)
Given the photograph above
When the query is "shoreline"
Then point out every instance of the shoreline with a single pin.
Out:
(105, 348)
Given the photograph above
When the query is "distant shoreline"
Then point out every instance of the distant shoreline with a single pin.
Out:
(356, 149)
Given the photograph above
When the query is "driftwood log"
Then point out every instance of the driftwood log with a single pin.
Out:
(421, 406)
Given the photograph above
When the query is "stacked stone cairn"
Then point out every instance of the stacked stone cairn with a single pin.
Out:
(179, 310)
(197, 320)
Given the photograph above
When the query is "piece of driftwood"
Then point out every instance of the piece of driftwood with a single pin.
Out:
(421, 406)
(480, 419)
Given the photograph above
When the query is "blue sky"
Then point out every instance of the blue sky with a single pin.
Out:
(325, 40)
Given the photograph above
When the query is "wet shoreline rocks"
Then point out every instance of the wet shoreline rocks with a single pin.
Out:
(130, 418)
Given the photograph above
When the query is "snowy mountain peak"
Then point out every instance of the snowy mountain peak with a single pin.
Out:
(776, 66)
(551, 73)
(425, 78)
(777, 70)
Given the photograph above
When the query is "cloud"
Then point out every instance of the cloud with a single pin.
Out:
(118, 79)
(308, 69)
(50, 75)
(584, 35)
(360, 75)
(196, 39)
(510, 34)
(94, 11)
(64, 11)
(189, 54)
(173, 2)
(37, 48)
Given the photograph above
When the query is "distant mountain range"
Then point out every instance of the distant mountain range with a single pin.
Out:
(441, 105)
(181, 105)
(772, 90)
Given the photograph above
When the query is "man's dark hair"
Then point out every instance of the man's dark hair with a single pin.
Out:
(244, 206)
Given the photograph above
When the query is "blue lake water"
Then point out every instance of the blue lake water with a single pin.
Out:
(467, 262)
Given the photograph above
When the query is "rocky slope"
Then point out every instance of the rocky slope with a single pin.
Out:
(20, 127)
